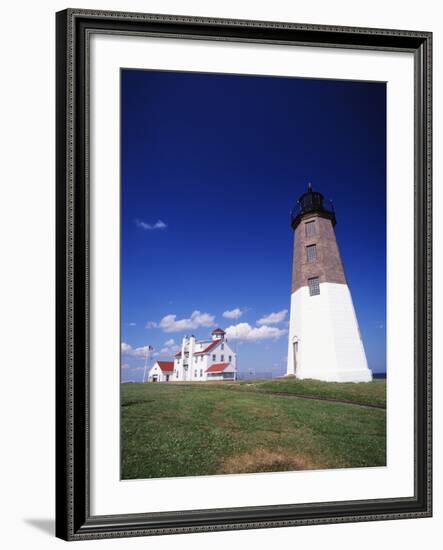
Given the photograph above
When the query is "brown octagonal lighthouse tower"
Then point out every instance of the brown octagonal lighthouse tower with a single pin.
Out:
(324, 337)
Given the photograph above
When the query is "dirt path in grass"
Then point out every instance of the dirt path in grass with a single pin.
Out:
(312, 398)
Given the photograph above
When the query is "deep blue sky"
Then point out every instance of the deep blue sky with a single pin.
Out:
(220, 160)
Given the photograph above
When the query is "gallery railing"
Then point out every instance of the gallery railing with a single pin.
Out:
(310, 203)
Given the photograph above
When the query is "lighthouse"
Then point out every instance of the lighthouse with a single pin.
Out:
(324, 336)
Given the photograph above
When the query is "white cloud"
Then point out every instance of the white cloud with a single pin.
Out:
(273, 318)
(170, 323)
(132, 324)
(244, 331)
(140, 352)
(151, 324)
(150, 226)
(127, 349)
(170, 348)
(233, 313)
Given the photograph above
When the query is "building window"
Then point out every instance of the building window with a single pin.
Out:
(311, 253)
(213, 357)
(310, 228)
(201, 358)
(230, 358)
(222, 357)
(195, 373)
(222, 347)
(201, 373)
(314, 286)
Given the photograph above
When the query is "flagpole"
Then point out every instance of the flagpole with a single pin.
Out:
(146, 364)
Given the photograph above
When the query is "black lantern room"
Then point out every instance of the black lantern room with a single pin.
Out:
(312, 202)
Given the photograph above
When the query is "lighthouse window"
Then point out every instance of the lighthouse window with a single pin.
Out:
(311, 252)
(314, 286)
(310, 228)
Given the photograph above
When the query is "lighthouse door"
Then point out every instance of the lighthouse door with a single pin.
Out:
(295, 352)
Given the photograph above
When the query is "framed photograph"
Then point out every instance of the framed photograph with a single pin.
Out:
(243, 274)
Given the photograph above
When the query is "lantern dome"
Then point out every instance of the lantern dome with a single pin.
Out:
(312, 202)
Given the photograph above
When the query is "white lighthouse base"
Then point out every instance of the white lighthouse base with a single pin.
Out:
(324, 338)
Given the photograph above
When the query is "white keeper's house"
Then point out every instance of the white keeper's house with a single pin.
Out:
(200, 360)
(161, 371)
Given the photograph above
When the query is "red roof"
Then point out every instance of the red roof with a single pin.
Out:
(166, 366)
(217, 367)
(178, 354)
(208, 349)
(218, 331)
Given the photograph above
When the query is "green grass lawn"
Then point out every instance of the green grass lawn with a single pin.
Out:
(369, 393)
(201, 429)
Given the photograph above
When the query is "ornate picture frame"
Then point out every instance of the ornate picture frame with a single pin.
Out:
(74, 520)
